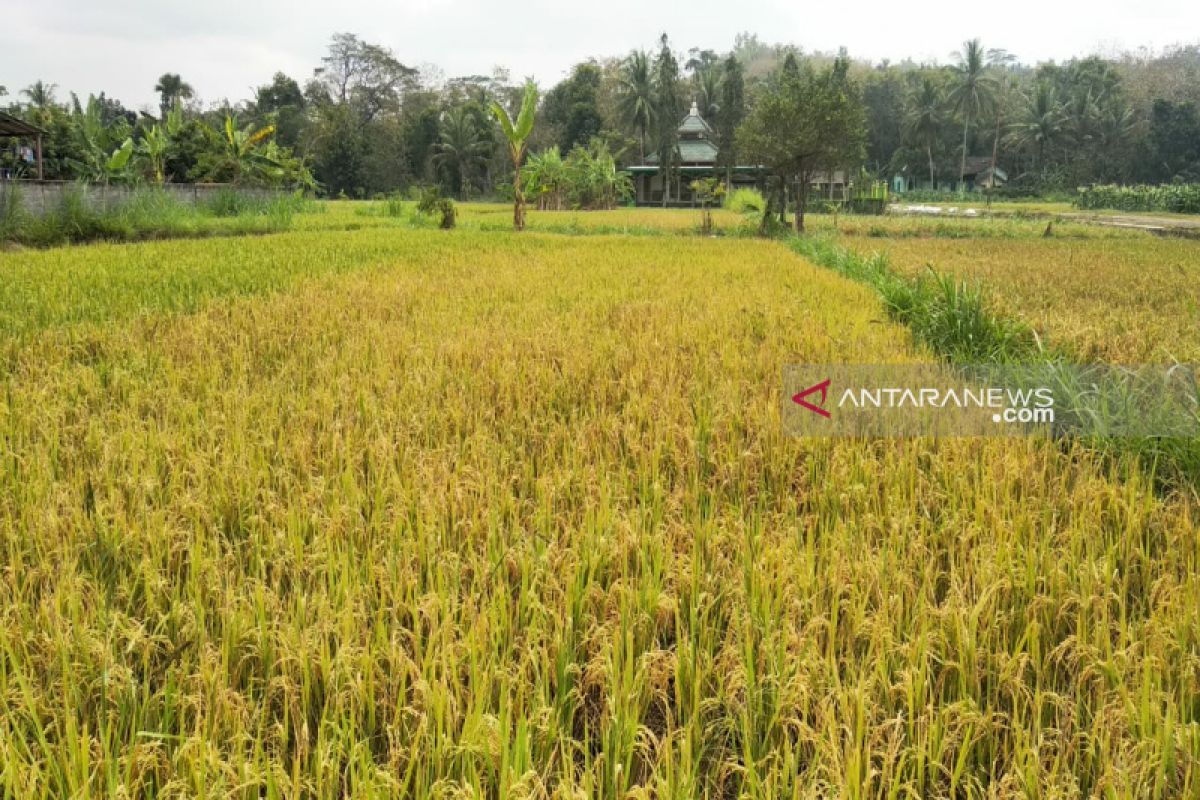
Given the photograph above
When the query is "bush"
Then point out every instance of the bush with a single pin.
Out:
(1180, 198)
(744, 200)
(433, 204)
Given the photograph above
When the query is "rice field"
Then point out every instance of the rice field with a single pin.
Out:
(1126, 300)
(394, 512)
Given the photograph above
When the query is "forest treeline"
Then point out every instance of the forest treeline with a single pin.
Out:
(365, 123)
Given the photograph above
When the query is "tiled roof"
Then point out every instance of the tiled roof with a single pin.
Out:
(694, 123)
(698, 150)
(692, 151)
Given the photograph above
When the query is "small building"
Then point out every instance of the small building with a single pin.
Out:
(13, 128)
(695, 157)
(978, 175)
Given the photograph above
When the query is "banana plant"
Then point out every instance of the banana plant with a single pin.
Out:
(97, 162)
(154, 146)
(242, 149)
(517, 133)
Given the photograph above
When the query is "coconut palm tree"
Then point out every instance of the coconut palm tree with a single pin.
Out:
(171, 89)
(1044, 122)
(636, 99)
(40, 94)
(708, 88)
(923, 120)
(973, 93)
(516, 133)
(461, 147)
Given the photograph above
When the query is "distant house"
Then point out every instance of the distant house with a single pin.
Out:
(696, 157)
(18, 130)
(979, 175)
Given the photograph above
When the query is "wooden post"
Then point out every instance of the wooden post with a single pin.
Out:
(38, 146)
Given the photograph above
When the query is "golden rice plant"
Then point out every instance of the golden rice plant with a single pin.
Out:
(464, 514)
(1128, 301)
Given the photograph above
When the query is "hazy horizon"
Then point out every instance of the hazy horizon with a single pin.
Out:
(224, 49)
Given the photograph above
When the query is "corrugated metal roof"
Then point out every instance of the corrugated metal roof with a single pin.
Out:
(11, 126)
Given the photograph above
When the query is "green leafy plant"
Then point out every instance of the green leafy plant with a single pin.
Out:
(516, 133)
(432, 203)
(708, 191)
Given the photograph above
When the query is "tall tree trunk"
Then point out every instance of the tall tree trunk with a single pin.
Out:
(801, 202)
(995, 153)
(518, 200)
(962, 169)
(929, 152)
(768, 212)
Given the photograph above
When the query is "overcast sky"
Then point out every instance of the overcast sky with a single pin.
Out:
(226, 47)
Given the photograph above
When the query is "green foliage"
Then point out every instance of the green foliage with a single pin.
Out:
(517, 133)
(1177, 198)
(745, 200)
(806, 121)
(587, 179)
(572, 107)
(433, 204)
(1175, 141)
(462, 149)
(635, 99)
(146, 213)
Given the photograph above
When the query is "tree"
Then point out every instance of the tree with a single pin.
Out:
(40, 94)
(516, 133)
(461, 149)
(731, 115)
(1175, 140)
(636, 98)
(668, 107)
(1043, 125)
(804, 122)
(706, 84)
(367, 76)
(171, 89)
(572, 107)
(973, 93)
(887, 98)
(281, 103)
(923, 121)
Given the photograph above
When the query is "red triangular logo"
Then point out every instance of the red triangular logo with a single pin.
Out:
(823, 388)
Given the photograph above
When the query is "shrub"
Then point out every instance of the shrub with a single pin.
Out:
(744, 200)
(432, 203)
(1180, 198)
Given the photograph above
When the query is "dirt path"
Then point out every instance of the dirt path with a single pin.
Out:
(1187, 226)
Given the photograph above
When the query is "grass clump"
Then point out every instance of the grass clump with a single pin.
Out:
(745, 200)
(145, 213)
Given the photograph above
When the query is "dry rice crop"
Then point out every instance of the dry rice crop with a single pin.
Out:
(1127, 301)
(462, 514)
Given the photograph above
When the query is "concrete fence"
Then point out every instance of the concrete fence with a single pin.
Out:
(39, 197)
